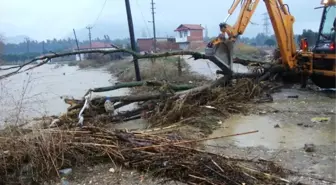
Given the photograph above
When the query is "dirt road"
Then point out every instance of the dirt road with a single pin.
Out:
(294, 119)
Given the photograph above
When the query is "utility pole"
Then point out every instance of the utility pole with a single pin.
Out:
(80, 57)
(266, 24)
(89, 28)
(132, 38)
(43, 49)
(153, 22)
(206, 34)
(27, 41)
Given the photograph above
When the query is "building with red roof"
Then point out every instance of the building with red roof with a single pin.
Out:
(189, 36)
(94, 45)
(162, 44)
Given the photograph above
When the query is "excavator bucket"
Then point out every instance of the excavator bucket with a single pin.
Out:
(222, 55)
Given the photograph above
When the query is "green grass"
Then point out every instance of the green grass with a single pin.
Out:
(161, 69)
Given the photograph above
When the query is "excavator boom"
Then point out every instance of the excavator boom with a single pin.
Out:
(282, 23)
(302, 62)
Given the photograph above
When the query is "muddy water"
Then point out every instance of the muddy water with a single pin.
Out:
(39, 91)
(207, 68)
(288, 136)
(294, 119)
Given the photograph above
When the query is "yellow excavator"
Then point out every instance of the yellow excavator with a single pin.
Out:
(317, 63)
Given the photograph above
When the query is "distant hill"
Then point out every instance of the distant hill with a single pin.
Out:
(120, 30)
(15, 39)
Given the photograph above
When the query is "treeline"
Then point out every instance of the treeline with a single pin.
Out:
(33, 46)
(29, 49)
(265, 40)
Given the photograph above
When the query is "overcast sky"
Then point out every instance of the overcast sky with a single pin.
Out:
(47, 19)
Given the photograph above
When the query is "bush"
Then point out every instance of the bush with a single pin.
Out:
(73, 63)
(161, 69)
(88, 63)
(248, 51)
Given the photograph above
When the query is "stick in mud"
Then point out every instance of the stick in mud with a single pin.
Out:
(195, 141)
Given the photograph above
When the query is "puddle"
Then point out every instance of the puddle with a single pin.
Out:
(288, 136)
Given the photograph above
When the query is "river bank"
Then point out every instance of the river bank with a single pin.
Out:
(284, 127)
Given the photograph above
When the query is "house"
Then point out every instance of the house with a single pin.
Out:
(189, 36)
(162, 44)
(94, 45)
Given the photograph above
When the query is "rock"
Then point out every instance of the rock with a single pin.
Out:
(308, 125)
(277, 126)
(320, 119)
(112, 170)
(64, 181)
(300, 124)
(295, 96)
(263, 112)
(65, 172)
(309, 148)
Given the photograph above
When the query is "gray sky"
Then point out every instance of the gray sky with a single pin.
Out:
(47, 19)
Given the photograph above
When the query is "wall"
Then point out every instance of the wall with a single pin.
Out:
(161, 44)
(183, 46)
(196, 45)
(196, 35)
(145, 44)
(182, 36)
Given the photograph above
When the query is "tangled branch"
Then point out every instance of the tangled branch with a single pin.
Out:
(46, 58)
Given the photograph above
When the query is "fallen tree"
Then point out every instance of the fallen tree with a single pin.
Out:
(40, 156)
(163, 107)
(47, 57)
(36, 154)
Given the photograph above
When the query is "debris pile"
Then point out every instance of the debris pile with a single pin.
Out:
(167, 103)
(38, 155)
(221, 101)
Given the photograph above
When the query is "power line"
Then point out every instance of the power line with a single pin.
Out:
(27, 42)
(143, 18)
(266, 23)
(153, 21)
(89, 28)
(94, 23)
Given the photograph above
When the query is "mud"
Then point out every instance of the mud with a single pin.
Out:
(285, 126)
(103, 175)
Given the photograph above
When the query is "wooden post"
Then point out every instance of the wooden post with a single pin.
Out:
(179, 66)
(132, 38)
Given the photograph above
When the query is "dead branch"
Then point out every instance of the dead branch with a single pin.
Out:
(91, 144)
(141, 83)
(245, 62)
(47, 57)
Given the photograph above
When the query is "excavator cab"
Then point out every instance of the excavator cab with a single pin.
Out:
(326, 36)
(324, 52)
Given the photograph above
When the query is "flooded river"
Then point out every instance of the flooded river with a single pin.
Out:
(38, 92)
(208, 69)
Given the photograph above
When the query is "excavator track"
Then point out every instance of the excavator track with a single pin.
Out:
(325, 82)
